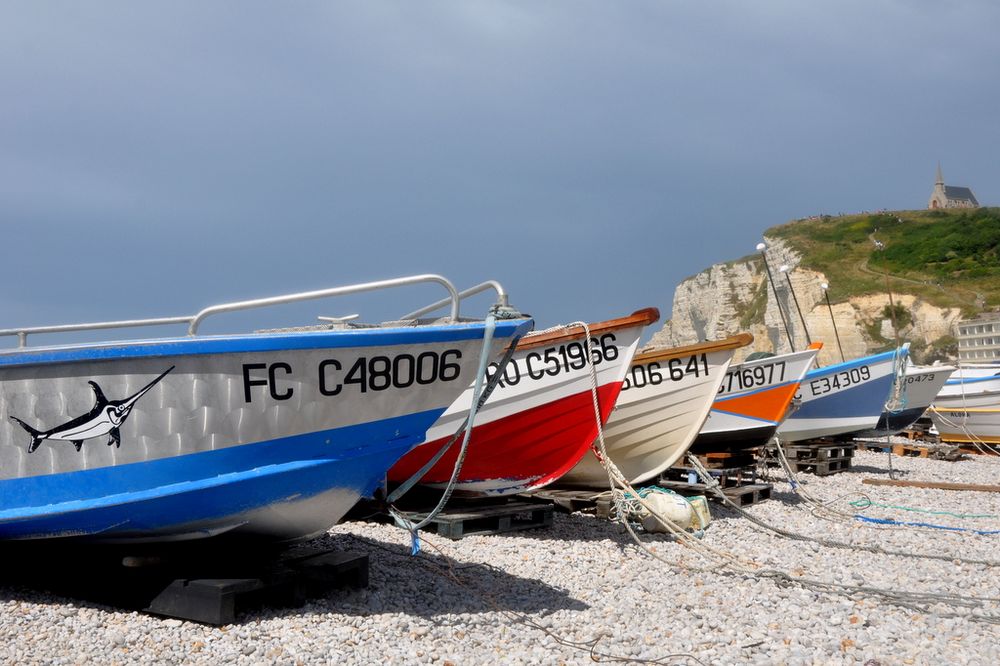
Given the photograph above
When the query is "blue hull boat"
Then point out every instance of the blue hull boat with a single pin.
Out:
(843, 398)
(921, 386)
(270, 436)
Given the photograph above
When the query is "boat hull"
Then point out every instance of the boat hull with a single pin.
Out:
(970, 386)
(973, 425)
(268, 437)
(656, 420)
(843, 398)
(753, 399)
(538, 422)
(739, 438)
(922, 385)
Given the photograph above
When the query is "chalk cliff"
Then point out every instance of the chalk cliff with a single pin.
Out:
(737, 296)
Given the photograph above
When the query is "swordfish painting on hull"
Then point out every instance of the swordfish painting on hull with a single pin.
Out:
(105, 418)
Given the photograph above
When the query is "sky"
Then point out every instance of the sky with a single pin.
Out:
(160, 157)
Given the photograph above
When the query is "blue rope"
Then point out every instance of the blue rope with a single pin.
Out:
(890, 521)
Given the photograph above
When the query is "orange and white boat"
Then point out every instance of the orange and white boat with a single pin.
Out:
(663, 404)
(753, 400)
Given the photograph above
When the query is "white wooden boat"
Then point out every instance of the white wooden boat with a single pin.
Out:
(973, 385)
(664, 401)
(971, 425)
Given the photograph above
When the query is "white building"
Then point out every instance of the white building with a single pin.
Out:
(979, 338)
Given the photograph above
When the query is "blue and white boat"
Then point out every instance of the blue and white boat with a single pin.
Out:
(971, 385)
(921, 385)
(270, 435)
(844, 398)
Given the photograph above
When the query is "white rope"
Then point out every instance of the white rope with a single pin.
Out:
(820, 509)
(897, 399)
(919, 601)
(981, 445)
(479, 396)
(839, 516)
(401, 519)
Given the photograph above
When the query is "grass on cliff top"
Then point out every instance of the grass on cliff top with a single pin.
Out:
(946, 257)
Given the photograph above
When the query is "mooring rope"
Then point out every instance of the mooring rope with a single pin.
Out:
(865, 503)
(897, 399)
(480, 393)
(981, 445)
(914, 600)
(714, 487)
(820, 508)
(920, 601)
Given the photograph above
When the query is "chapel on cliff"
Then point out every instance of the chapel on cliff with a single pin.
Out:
(951, 196)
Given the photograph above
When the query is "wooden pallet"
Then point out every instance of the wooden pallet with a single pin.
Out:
(821, 467)
(199, 584)
(488, 517)
(743, 495)
(910, 451)
(878, 447)
(727, 459)
(920, 430)
(727, 477)
(918, 436)
(752, 493)
(818, 452)
(571, 500)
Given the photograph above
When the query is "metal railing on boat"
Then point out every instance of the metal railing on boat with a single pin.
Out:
(194, 321)
(502, 299)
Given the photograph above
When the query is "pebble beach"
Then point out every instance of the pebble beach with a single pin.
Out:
(582, 590)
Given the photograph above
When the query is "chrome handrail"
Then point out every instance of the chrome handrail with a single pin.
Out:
(323, 293)
(194, 321)
(22, 333)
(502, 299)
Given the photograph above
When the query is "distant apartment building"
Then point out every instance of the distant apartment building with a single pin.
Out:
(979, 338)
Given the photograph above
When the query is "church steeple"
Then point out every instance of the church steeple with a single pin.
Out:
(950, 196)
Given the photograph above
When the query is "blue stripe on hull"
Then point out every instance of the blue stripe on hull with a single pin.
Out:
(856, 363)
(210, 486)
(970, 380)
(223, 344)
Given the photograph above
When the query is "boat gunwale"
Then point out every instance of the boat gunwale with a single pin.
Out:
(913, 370)
(781, 357)
(643, 317)
(732, 342)
(971, 410)
(971, 380)
(253, 343)
(872, 359)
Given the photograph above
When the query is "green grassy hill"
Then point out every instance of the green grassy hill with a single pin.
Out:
(950, 258)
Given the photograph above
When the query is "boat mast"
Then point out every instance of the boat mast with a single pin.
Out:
(786, 270)
(833, 321)
(762, 248)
